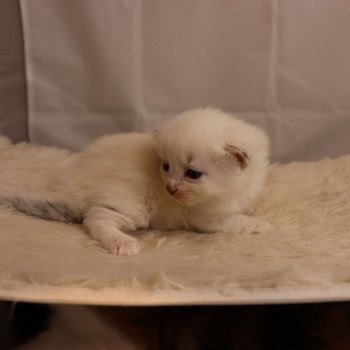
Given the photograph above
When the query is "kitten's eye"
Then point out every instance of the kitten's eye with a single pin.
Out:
(165, 167)
(193, 174)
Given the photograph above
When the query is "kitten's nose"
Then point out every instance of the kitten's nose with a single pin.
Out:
(172, 188)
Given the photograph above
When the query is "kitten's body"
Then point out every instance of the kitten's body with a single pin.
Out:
(118, 183)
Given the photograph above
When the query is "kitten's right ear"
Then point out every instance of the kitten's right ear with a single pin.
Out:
(239, 155)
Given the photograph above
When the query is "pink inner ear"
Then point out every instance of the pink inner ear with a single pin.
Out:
(239, 154)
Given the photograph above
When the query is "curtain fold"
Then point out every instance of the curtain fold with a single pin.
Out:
(98, 67)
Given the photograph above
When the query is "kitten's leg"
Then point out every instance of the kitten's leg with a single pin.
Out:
(248, 224)
(106, 225)
(238, 223)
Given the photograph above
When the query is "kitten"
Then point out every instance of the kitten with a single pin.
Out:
(199, 171)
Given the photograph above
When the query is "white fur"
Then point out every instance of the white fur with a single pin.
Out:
(307, 259)
(119, 185)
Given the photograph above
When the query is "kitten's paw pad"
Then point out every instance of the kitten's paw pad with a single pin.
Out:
(261, 226)
(120, 246)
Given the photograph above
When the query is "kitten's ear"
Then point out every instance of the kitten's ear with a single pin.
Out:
(239, 155)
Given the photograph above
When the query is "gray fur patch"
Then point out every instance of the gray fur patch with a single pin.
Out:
(44, 209)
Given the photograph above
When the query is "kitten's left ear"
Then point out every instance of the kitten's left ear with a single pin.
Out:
(239, 155)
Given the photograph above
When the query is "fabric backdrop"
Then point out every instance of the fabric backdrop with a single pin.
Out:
(98, 67)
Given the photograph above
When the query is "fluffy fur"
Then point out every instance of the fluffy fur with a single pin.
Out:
(306, 259)
(120, 183)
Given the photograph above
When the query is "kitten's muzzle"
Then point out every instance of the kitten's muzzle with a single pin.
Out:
(171, 188)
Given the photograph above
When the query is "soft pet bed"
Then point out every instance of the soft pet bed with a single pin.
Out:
(306, 259)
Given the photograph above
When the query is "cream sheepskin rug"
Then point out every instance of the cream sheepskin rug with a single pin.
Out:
(306, 259)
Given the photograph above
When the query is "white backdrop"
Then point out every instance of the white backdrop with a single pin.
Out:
(96, 67)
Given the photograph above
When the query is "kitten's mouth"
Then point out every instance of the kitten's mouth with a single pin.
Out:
(180, 196)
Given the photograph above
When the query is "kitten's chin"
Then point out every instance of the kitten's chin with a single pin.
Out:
(185, 201)
(182, 201)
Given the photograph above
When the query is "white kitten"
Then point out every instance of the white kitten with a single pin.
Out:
(199, 171)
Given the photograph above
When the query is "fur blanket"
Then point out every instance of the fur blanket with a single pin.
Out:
(306, 259)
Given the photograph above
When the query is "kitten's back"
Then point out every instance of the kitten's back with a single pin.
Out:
(117, 165)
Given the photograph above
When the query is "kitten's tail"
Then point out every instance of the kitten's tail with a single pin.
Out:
(44, 209)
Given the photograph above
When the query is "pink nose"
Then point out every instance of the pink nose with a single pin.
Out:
(171, 189)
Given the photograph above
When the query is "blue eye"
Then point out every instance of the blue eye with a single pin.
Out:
(193, 174)
(165, 167)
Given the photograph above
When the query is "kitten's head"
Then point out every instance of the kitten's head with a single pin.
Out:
(207, 153)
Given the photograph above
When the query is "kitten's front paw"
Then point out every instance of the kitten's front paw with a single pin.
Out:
(260, 226)
(123, 246)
